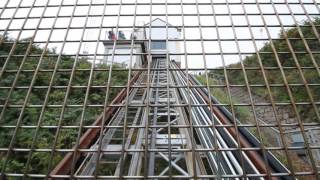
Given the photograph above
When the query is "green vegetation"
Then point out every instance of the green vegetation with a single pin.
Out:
(71, 116)
(241, 112)
(273, 73)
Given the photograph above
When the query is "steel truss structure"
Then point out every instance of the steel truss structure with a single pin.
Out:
(87, 92)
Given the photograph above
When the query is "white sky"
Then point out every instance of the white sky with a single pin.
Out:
(190, 33)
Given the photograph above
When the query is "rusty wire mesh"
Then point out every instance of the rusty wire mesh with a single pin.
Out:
(259, 59)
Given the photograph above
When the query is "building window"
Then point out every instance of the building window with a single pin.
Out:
(158, 45)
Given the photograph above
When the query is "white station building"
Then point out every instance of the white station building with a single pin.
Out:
(160, 32)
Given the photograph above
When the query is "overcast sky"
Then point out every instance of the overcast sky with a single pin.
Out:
(189, 20)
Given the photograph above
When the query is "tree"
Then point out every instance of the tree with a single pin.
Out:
(67, 137)
(292, 75)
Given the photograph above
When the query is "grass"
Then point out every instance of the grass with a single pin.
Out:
(242, 113)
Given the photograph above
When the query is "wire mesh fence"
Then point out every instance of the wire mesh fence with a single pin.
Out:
(158, 89)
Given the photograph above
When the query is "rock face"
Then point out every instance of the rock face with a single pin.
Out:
(266, 115)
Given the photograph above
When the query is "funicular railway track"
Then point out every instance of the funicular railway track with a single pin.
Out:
(228, 135)
(172, 129)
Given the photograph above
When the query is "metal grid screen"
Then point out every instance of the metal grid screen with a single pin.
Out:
(159, 89)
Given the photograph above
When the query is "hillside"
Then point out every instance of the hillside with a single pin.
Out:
(51, 114)
(273, 74)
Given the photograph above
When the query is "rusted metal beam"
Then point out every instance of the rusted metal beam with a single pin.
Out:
(89, 137)
(256, 158)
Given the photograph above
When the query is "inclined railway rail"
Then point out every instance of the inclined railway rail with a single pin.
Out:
(231, 161)
(171, 131)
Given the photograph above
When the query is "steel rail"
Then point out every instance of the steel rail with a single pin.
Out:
(198, 115)
(90, 165)
(90, 135)
(246, 138)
